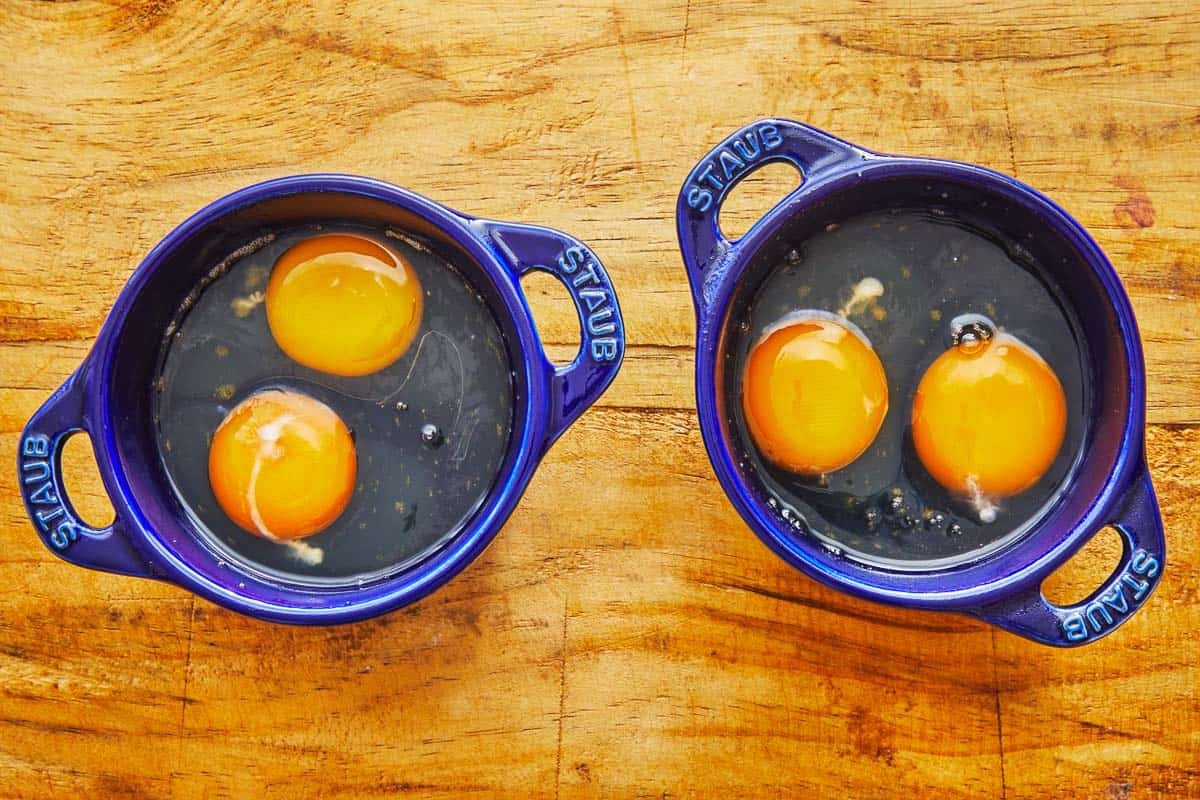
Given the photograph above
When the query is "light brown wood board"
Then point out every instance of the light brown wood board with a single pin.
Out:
(625, 635)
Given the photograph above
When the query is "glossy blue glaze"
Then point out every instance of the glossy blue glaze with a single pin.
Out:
(152, 537)
(1111, 486)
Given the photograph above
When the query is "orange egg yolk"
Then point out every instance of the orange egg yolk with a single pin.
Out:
(814, 394)
(282, 465)
(989, 417)
(343, 304)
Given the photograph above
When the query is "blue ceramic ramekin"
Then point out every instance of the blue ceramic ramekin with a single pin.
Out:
(110, 395)
(1110, 484)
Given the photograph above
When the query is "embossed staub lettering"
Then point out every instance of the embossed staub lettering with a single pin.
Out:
(38, 486)
(729, 162)
(1111, 607)
(579, 271)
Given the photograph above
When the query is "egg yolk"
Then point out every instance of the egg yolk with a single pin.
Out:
(343, 304)
(989, 417)
(282, 465)
(814, 394)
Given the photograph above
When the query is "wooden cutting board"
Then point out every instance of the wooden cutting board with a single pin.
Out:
(626, 635)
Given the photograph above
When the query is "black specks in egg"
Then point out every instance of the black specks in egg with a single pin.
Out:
(970, 330)
(900, 508)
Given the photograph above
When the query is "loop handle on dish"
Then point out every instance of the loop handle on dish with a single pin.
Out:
(1031, 615)
(577, 385)
(767, 141)
(39, 476)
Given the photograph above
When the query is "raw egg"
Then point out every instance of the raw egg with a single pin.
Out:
(343, 304)
(989, 415)
(282, 465)
(814, 393)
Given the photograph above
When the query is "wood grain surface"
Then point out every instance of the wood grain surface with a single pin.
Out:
(625, 635)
